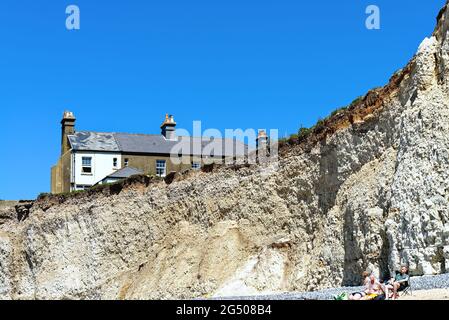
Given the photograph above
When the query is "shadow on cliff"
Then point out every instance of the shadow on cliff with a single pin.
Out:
(352, 272)
(355, 260)
(328, 184)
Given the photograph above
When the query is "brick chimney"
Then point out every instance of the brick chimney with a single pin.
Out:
(262, 145)
(262, 139)
(68, 128)
(169, 128)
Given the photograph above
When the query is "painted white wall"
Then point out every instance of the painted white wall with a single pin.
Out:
(102, 166)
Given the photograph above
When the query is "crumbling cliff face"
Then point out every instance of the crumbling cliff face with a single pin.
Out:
(369, 191)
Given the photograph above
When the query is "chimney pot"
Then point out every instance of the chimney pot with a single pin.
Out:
(68, 128)
(262, 146)
(169, 128)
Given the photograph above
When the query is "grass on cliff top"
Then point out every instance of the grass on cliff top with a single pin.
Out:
(113, 187)
(304, 133)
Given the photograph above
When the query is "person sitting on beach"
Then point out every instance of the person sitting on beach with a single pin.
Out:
(362, 294)
(373, 288)
(400, 282)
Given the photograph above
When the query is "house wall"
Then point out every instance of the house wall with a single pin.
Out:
(61, 174)
(147, 163)
(55, 179)
(102, 166)
(67, 174)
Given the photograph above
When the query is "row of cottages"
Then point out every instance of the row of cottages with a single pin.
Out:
(89, 158)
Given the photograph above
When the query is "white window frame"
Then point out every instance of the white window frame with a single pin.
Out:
(79, 187)
(159, 167)
(84, 166)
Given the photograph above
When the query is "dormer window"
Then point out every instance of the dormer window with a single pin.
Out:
(126, 162)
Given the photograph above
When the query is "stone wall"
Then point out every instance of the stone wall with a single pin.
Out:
(60, 174)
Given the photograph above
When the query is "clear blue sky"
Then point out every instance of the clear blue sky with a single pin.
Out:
(230, 63)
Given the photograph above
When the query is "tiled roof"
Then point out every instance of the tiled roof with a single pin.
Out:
(93, 141)
(155, 144)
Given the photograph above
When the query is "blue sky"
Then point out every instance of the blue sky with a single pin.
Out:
(229, 63)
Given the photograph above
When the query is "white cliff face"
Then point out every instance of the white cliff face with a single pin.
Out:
(420, 189)
(374, 194)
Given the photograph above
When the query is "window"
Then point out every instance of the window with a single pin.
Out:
(126, 162)
(114, 162)
(196, 165)
(81, 187)
(86, 165)
(160, 168)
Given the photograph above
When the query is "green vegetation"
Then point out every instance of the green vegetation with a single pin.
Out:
(320, 124)
(66, 194)
(99, 187)
(43, 195)
(339, 110)
(303, 132)
(356, 101)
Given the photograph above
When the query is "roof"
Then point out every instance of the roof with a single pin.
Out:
(125, 172)
(93, 141)
(156, 144)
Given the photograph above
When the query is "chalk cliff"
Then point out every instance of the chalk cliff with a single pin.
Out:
(367, 189)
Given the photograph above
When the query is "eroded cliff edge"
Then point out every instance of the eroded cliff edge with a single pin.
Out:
(370, 192)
